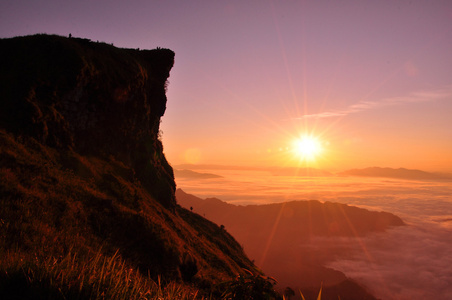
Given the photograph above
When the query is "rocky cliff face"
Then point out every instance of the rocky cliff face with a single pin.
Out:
(82, 169)
(92, 98)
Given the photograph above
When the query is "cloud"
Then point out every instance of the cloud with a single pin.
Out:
(415, 97)
(406, 263)
(409, 262)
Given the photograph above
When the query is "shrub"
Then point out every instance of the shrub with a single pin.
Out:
(188, 268)
(249, 286)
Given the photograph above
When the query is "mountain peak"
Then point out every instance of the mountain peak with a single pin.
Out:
(83, 174)
(92, 98)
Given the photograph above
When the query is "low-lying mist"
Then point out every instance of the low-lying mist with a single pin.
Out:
(406, 262)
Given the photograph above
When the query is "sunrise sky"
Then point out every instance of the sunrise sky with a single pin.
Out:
(371, 81)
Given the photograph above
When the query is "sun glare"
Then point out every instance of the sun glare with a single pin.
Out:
(307, 147)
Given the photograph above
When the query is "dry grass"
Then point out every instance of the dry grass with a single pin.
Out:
(94, 276)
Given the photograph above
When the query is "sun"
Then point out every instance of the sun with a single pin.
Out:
(307, 148)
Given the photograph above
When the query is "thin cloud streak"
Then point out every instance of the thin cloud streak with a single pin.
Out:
(365, 105)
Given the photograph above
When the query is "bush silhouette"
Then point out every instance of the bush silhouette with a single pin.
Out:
(250, 286)
(188, 268)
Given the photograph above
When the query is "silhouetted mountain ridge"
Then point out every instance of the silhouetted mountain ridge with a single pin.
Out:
(279, 235)
(195, 175)
(277, 171)
(400, 173)
(331, 219)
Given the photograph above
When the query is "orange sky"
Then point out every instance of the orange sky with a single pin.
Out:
(371, 79)
(373, 82)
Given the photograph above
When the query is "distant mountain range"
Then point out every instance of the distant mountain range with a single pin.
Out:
(194, 175)
(186, 170)
(278, 236)
(400, 173)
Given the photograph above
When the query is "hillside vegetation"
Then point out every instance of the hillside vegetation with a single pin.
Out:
(87, 204)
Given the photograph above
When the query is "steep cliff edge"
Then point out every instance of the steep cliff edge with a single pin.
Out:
(82, 170)
(92, 98)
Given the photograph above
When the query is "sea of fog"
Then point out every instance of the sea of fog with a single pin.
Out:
(408, 262)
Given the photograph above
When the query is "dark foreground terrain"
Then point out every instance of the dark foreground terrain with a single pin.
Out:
(87, 198)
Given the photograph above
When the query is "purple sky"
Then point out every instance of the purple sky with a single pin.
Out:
(372, 80)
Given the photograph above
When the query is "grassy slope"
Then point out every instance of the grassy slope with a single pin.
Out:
(48, 210)
(83, 178)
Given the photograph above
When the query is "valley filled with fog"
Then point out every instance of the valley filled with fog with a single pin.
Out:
(405, 262)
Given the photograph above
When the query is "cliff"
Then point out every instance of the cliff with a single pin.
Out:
(91, 98)
(82, 172)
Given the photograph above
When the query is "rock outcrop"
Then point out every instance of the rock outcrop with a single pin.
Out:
(92, 98)
(82, 170)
